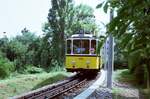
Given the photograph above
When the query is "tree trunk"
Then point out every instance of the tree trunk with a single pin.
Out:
(148, 73)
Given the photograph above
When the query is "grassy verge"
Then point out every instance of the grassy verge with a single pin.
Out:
(24, 83)
(124, 76)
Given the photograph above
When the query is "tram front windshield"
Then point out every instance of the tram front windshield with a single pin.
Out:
(80, 46)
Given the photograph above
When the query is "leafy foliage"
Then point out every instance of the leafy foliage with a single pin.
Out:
(131, 27)
(32, 69)
(6, 67)
(84, 19)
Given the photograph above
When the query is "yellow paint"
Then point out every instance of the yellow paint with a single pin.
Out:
(82, 62)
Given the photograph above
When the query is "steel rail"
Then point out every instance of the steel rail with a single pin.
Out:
(59, 90)
(52, 91)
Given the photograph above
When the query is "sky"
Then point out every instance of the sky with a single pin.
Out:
(18, 14)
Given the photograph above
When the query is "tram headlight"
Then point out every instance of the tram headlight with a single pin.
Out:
(87, 62)
(73, 62)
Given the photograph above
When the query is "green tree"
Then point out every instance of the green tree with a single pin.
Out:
(26, 37)
(56, 17)
(83, 19)
(16, 53)
(3, 44)
(65, 19)
(24, 50)
(131, 26)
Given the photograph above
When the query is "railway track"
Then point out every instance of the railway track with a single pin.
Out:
(54, 91)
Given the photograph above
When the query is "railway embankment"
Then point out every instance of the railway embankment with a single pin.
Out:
(72, 85)
(19, 84)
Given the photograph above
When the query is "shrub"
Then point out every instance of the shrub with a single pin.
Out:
(6, 67)
(32, 69)
(120, 64)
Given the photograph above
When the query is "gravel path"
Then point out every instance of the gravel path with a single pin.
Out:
(102, 93)
(119, 91)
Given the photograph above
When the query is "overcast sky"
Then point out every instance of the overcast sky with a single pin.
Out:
(17, 14)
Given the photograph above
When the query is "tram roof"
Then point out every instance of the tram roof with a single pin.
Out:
(84, 36)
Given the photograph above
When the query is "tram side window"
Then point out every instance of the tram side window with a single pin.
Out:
(93, 47)
(68, 46)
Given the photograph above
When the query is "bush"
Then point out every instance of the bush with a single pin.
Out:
(6, 67)
(32, 69)
(55, 66)
(120, 64)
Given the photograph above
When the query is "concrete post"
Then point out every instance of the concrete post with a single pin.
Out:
(110, 56)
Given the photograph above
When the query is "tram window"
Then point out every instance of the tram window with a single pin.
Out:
(93, 47)
(76, 46)
(68, 46)
(85, 45)
(81, 46)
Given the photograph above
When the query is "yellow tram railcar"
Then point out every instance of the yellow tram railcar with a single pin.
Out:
(81, 53)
